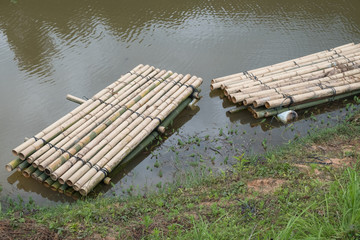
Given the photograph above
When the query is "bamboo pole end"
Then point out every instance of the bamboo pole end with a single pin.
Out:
(9, 168)
(107, 180)
(83, 192)
(75, 186)
(233, 99)
(196, 94)
(53, 176)
(26, 174)
(14, 152)
(69, 183)
(161, 129)
(193, 103)
(48, 171)
(75, 99)
(41, 168)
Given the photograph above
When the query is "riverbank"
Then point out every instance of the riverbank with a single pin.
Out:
(308, 188)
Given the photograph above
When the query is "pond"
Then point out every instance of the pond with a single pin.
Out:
(52, 48)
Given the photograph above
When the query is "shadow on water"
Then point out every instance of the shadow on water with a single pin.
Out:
(31, 185)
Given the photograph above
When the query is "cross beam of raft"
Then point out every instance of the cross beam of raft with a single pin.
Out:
(79, 150)
(304, 81)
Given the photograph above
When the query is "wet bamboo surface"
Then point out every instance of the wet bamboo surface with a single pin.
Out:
(78, 151)
(308, 79)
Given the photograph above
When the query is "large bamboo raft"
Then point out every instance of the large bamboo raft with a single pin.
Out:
(78, 151)
(295, 84)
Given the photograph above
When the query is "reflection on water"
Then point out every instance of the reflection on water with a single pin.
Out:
(51, 48)
(37, 35)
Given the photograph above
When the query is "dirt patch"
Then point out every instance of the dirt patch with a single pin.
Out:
(342, 162)
(26, 230)
(307, 170)
(265, 185)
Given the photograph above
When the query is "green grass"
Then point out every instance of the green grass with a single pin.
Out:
(323, 203)
(337, 216)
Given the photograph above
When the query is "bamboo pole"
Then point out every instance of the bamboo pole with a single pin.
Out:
(237, 109)
(97, 116)
(63, 126)
(161, 75)
(55, 186)
(343, 77)
(13, 164)
(41, 178)
(286, 63)
(353, 51)
(28, 171)
(113, 146)
(29, 142)
(274, 67)
(312, 95)
(123, 139)
(36, 174)
(153, 135)
(238, 97)
(252, 78)
(107, 135)
(78, 146)
(274, 93)
(79, 116)
(86, 127)
(140, 107)
(326, 84)
(70, 123)
(75, 99)
(297, 72)
(63, 188)
(48, 182)
(275, 111)
(216, 83)
(284, 82)
(150, 126)
(22, 166)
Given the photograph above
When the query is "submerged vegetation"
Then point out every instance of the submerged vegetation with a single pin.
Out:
(309, 188)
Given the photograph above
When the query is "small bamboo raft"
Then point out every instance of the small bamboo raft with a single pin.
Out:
(295, 84)
(81, 149)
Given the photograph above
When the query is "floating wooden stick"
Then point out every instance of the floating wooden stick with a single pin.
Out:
(75, 99)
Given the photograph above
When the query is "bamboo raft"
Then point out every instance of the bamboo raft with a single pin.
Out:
(81, 149)
(295, 84)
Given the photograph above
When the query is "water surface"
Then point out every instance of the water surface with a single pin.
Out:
(51, 48)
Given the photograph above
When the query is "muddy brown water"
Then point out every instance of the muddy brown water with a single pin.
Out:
(51, 48)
